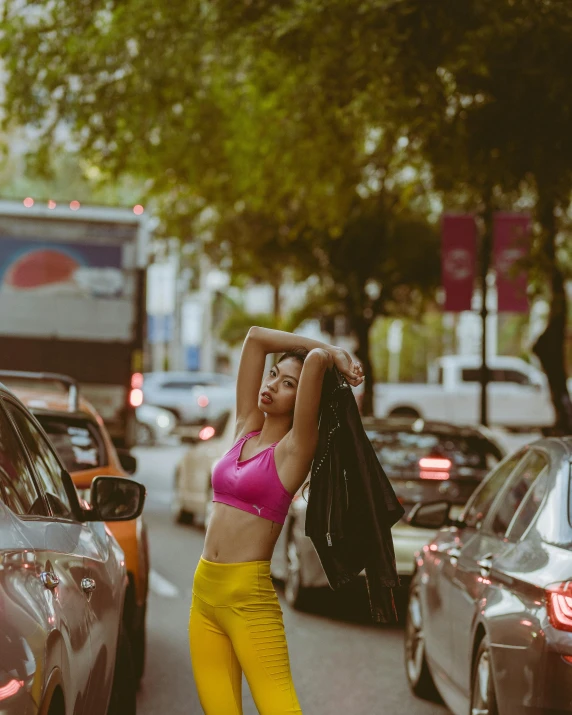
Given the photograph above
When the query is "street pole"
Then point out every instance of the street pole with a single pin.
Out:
(486, 250)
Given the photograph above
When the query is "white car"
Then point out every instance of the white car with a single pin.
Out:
(195, 398)
(518, 394)
(192, 492)
(154, 424)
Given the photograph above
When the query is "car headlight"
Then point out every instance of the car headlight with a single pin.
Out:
(163, 421)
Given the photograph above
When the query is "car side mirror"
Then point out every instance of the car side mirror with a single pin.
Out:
(127, 461)
(430, 515)
(115, 499)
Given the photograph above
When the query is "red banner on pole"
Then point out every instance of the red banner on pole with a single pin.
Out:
(511, 243)
(458, 260)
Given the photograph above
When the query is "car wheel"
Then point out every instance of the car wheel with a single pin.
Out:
(416, 667)
(57, 706)
(409, 413)
(295, 593)
(401, 599)
(144, 435)
(180, 514)
(123, 699)
(138, 648)
(483, 698)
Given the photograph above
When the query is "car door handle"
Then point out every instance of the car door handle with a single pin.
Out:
(454, 554)
(485, 564)
(49, 579)
(88, 585)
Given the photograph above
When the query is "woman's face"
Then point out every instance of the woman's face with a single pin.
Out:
(278, 390)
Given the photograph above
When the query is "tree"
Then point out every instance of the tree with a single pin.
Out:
(480, 88)
(261, 247)
(289, 175)
(462, 81)
(393, 251)
(381, 244)
(495, 77)
(155, 89)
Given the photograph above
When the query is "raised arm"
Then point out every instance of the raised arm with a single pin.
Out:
(303, 438)
(260, 342)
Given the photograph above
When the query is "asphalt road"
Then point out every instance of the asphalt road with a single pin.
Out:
(341, 663)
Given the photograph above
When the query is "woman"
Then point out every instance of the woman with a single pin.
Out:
(236, 621)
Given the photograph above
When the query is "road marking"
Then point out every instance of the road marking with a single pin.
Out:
(161, 587)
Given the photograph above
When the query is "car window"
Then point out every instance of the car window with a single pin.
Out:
(496, 375)
(528, 508)
(78, 441)
(513, 495)
(47, 467)
(17, 488)
(482, 499)
(188, 381)
(183, 385)
(516, 376)
(473, 374)
(400, 450)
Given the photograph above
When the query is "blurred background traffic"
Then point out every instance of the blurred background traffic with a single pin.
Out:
(390, 177)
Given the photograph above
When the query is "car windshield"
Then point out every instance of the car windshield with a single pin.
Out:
(77, 441)
(402, 449)
(188, 381)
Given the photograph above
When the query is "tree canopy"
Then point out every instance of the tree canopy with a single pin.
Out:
(305, 133)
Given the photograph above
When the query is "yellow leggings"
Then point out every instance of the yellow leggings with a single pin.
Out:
(236, 626)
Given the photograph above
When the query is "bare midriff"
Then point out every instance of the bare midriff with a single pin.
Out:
(235, 536)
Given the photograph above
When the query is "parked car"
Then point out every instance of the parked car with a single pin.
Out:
(64, 647)
(195, 398)
(192, 491)
(423, 460)
(489, 622)
(518, 392)
(154, 424)
(84, 446)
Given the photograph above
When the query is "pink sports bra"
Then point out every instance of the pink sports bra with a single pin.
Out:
(252, 485)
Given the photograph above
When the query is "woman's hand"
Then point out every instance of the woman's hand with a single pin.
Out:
(351, 369)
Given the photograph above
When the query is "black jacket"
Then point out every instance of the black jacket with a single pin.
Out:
(351, 504)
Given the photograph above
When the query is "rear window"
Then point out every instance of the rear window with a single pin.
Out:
(188, 382)
(403, 450)
(77, 441)
(497, 375)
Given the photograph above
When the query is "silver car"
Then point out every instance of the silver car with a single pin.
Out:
(489, 623)
(195, 398)
(63, 647)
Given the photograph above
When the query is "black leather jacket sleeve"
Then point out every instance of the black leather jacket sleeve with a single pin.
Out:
(351, 503)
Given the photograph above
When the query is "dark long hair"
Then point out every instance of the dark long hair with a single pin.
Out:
(298, 353)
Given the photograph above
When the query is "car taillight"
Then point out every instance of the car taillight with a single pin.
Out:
(136, 392)
(10, 689)
(202, 401)
(207, 432)
(559, 602)
(434, 468)
(136, 397)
